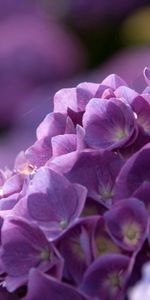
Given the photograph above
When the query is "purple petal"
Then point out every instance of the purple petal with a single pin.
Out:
(133, 174)
(113, 81)
(129, 231)
(52, 198)
(24, 246)
(39, 153)
(108, 124)
(52, 125)
(75, 248)
(106, 277)
(44, 287)
(63, 144)
(147, 75)
(97, 171)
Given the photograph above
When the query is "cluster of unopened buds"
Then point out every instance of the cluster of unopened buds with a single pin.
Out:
(74, 212)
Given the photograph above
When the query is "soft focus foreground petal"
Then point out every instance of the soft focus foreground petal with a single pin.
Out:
(44, 287)
(142, 289)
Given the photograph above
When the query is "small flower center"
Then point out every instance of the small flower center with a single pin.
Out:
(63, 224)
(132, 233)
(105, 193)
(77, 249)
(120, 134)
(114, 280)
(45, 254)
(105, 245)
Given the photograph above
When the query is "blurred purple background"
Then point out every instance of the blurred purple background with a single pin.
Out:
(46, 45)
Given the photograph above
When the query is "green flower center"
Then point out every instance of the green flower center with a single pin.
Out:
(45, 254)
(114, 280)
(77, 248)
(120, 134)
(105, 245)
(132, 233)
(63, 224)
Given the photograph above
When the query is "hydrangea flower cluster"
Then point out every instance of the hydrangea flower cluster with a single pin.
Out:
(74, 212)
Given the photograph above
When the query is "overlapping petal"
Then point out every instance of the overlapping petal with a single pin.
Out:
(108, 124)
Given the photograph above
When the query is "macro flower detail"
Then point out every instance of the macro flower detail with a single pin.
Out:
(41, 285)
(108, 124)
(129, 231)
(24, 246)
(75, 208)
(106, 277)
(53, 202)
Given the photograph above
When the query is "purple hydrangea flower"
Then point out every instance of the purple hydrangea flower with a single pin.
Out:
(74, 211)
(23, 247)
(75, 247)
(52, 201)
(102, 241)
(97, 171)
(106, 277)
(131, 230)
(133, 174)
(108, 124)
